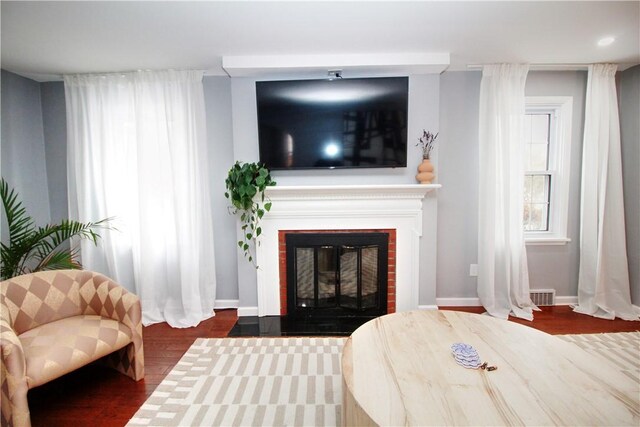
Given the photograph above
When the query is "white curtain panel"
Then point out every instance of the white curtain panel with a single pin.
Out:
(503, 276)
(137, 152)
(603, 283)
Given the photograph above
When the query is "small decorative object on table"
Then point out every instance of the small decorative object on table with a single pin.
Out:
(425, 169)
(467, 356)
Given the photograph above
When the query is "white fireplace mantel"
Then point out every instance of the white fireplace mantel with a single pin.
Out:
(344, 207)
(353, 192)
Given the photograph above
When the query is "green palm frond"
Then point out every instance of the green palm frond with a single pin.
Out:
(20, 224)
(50, 237)
(35, 249)
(59, 260)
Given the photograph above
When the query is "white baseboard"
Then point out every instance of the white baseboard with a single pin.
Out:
(475, 302)
(458, 302)
(247, 311)
(427, 307)
(226, 303)
(566, 300)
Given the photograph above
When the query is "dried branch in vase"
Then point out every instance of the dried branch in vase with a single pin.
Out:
(426, 143)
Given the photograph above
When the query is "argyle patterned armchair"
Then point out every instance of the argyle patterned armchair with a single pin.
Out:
(54, 322)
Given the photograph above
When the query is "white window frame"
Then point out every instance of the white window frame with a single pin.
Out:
(561, 108)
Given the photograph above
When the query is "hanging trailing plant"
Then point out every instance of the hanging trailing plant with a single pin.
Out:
(32, 248)
(246, 183)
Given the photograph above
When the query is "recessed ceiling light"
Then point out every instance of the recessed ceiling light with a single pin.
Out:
(606, 41)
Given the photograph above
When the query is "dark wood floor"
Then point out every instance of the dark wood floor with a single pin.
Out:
(97, 396)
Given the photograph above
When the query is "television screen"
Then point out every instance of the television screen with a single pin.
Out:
(341, 123)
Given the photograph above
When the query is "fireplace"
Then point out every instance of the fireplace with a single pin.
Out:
(339, 273)
(351, 208)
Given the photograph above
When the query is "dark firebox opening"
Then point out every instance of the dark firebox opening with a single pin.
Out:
(337, 274)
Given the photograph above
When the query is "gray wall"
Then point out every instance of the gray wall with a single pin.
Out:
(54, 120)
(34, 150)
(217, 97)
(245, 148)
(34, 140)
(458, 174)
(549, 266)
(23, 153)
(630, 139)
(217, 93)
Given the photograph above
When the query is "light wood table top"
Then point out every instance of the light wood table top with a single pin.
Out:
(398, 370)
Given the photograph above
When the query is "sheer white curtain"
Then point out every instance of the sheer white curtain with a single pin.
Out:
(137, 152)
(603, 283)
(503, 276)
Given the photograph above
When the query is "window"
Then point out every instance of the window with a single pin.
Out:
(547, 169)
(537, 180)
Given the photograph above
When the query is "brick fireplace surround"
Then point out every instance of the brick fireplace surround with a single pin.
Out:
(391, 264)
(339, 208)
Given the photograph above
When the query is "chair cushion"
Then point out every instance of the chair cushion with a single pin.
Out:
(59, 347)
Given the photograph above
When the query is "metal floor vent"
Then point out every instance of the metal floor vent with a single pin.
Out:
(543, 297)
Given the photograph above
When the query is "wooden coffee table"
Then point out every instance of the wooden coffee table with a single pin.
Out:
(398, 370)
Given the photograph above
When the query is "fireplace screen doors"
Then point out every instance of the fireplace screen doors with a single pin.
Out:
(337, 274)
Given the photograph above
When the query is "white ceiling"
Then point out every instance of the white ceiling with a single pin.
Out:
(43, 40)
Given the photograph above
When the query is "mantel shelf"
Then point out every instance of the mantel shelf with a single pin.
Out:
(313, 192)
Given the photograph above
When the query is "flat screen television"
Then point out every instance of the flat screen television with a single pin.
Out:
(340, 123)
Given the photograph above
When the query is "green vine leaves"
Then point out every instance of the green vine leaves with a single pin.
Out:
(246, 183)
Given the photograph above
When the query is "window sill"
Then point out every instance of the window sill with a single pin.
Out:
(546, 240)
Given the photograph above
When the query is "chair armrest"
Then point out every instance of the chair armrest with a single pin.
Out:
(12, 353)
(102, 296)
(13, 370)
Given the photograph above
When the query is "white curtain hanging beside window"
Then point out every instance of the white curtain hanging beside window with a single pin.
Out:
(503, 276)
(603, 282)
(137, 153)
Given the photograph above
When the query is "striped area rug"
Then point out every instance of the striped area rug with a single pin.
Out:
(250, 382)
(622, 349)
(290, 381)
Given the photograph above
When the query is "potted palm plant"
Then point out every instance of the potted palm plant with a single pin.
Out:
(32, 248)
